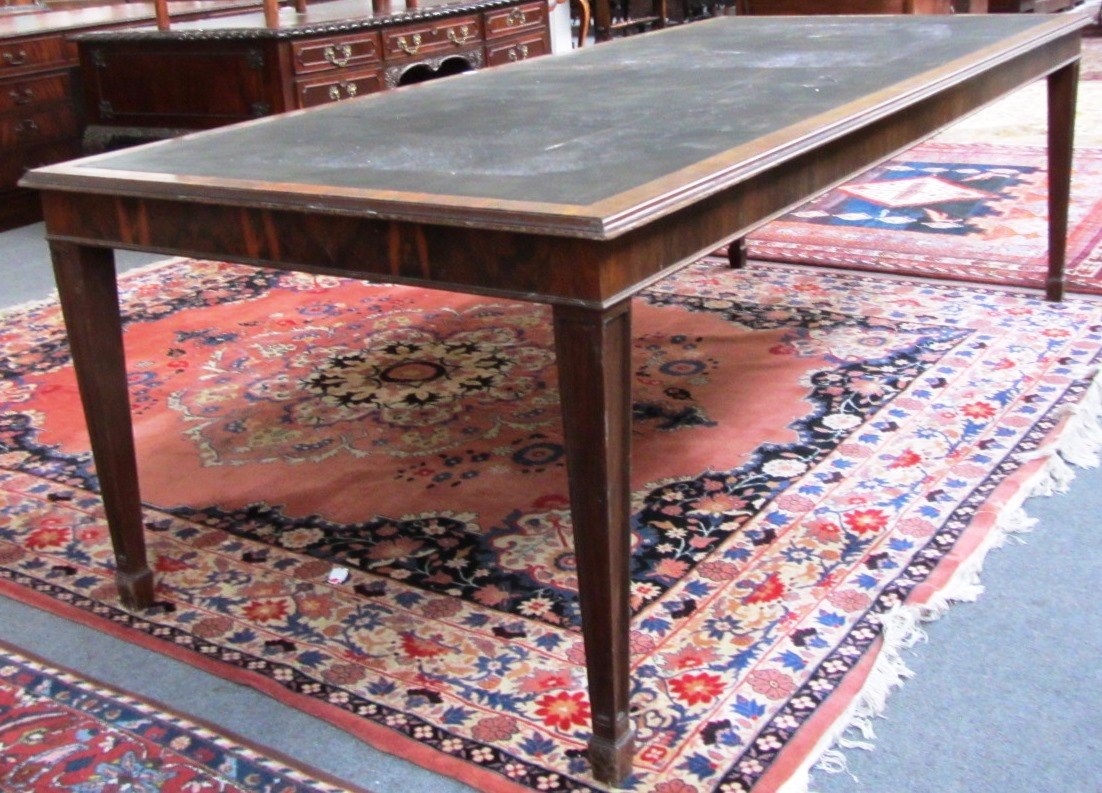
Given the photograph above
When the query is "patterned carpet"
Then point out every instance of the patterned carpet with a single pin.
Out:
(60, 732)
(968, 212)
(820, 458)
(968, 206)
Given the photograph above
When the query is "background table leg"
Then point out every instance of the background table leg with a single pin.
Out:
(736, 253)
(1062, 87)
(90, 303)
(594, 361)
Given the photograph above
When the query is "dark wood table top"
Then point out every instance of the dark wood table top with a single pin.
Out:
(585, 144)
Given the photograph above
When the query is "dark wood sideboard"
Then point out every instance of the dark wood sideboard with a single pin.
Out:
(1031, 6)
(144, 84)
(40, 99)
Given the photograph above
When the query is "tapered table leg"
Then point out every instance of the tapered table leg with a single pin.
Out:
(1062, 88)
(594, 349)
(90, 303)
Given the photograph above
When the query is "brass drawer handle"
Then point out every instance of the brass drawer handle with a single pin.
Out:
(516, 17)
(518, 53)
(462, 37)
(348, 88)
(26, 126)
(18, 59)
(22, 96)
(406, 47)
(338, 56)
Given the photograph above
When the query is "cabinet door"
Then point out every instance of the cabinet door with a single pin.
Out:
(180, 83)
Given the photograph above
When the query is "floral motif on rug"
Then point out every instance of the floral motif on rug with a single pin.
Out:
(968, 212)
(61, 732)
(811, 450)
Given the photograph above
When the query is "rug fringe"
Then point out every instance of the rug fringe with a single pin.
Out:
(1077, 444)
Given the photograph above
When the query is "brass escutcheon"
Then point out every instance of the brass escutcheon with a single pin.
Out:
(462, 37)
(406, 47)
(339, 55)
(348, 88)
(18, 59)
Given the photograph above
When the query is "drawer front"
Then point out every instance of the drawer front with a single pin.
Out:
(432, 37)
(334, 89)
(515, 50)
(15, 162)
(334, 54)
(32, 54)
(33, 92)
(518, 19)
(32, 128)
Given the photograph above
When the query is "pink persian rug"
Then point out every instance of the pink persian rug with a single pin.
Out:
(818, 455)
(966, 212)
(62, 732)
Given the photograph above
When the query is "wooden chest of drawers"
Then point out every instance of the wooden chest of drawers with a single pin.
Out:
(41, 111)
(38, 122)
(144, 84)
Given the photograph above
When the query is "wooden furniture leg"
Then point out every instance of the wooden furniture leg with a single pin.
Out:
(160, 9)
(271, 13)
(583, 20)
(736, 253)
(90, 303)
(602, 20)
(594, 350)
(1062, 88)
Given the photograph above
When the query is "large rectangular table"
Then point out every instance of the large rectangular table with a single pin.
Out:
(603, 171)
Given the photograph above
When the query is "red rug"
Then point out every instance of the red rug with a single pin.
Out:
(62, 732)
(819, 457)
(967, 212)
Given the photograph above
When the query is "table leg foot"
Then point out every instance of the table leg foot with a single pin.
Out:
(611, 760)
(1054, 290)
(136, 588)
(736, 254)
